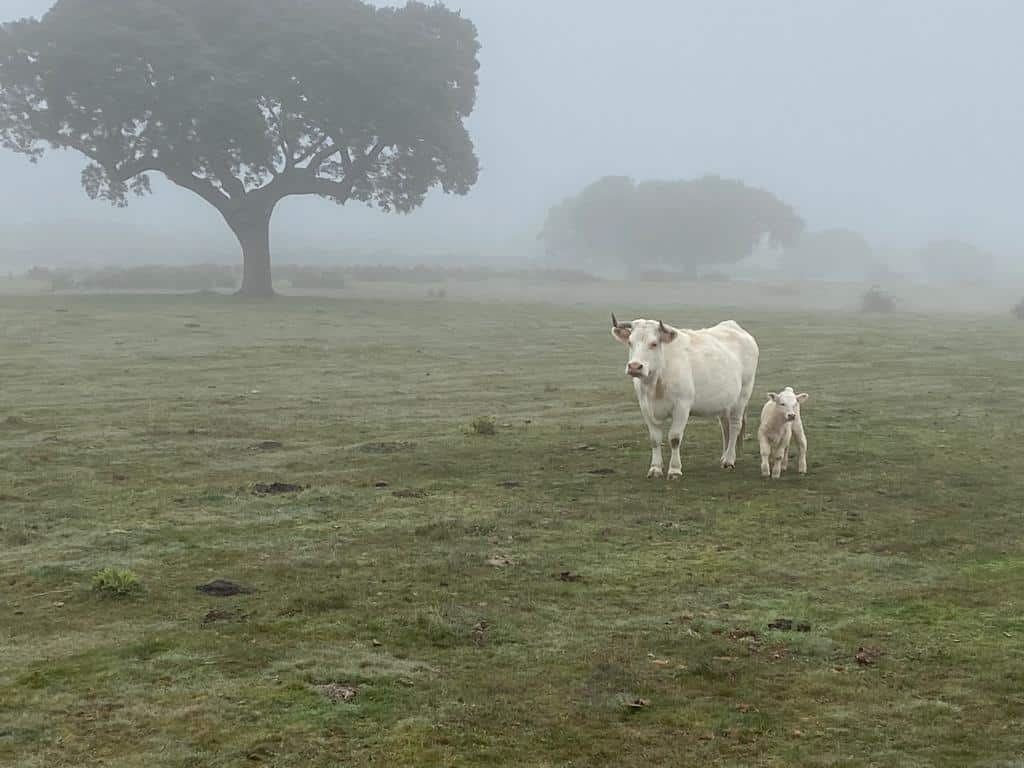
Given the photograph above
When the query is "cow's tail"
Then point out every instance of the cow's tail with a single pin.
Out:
(743, 429)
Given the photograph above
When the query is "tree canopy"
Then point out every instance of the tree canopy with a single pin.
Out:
(956, 261)
(830, 253)
(667, 224)
(246, 103)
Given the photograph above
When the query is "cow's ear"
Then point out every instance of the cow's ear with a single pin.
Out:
(802, 397)
(668, 335)
(621, 331)
(773, 397)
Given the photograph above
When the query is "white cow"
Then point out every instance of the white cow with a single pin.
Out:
(780, 421)
(678, 373)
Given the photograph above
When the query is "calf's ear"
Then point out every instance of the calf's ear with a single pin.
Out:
(802, 397)
(773, 397)
(668, 335)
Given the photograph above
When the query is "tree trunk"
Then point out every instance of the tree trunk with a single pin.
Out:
(251, 226)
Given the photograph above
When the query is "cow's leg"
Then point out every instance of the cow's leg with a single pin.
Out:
(735, 425)
(801, 446)
(680, 415)
(656, 460)
(723, 420)
(766, 455)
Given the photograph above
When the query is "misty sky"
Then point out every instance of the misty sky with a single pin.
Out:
(903, 119)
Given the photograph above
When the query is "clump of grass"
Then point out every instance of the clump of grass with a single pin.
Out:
(116, 582)
(483, 425)
(1018, 311)
(877, 300)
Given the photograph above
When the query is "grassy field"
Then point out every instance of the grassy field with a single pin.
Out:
(504, 598)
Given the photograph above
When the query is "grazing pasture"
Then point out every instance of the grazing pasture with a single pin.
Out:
(433, 593)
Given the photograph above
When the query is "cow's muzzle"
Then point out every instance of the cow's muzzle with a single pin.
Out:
(636, 370)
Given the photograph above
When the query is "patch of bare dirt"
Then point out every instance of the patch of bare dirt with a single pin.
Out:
(275, 488)
(223, 588)
(337, 693)
(215, 615)
(866, 656)
(410, 493)
(396, 446)
(266, 445)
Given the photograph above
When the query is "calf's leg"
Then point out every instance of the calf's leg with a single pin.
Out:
(766, 455)
(801, 446)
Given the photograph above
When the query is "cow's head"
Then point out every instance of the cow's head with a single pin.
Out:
(788, 402)
(645, 339)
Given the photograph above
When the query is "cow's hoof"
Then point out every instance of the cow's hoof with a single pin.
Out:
(675, 474)
(653, 472)
(728, 465)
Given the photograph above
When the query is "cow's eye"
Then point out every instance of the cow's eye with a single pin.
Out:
(654, 345)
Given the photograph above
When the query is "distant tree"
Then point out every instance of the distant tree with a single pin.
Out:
(838, 253)
(669, 224)
(245, 103)
(956, 261)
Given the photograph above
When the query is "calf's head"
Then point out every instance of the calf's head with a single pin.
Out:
(788, 402)
(646, 340)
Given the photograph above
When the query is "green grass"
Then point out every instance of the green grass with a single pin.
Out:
(134, 429)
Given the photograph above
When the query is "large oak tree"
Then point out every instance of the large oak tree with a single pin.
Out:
(245, 103)
(675, 225)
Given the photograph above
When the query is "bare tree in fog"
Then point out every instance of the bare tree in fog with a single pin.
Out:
(674, 225)
(247, 103)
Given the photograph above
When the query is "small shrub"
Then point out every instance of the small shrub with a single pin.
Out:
(115, 582)
(1018, 311)
(483, 425)
(877, 300)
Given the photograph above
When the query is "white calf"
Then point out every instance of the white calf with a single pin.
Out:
(780, 421)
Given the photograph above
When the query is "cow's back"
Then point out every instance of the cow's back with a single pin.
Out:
(736, 339)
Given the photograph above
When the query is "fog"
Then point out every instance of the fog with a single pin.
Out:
(901, 120)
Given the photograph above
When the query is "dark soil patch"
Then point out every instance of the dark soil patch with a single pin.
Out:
(868, 655)
(602, 472)
(392, 447)
(272, 489)
(784, 625)
(266, 445)
(215, 615)
(410, 493)
(743, 634)
(381, 484)
(511, 484)
(569, 576)
(337, 692)
(223, 588)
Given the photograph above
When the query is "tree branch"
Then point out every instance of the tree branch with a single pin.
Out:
(324, 153)
(202, 187)
(230, 183)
